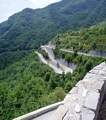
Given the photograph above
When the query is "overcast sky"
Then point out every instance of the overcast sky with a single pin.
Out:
(9, 7)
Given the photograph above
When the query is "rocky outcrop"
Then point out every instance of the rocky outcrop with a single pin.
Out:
(81, 102)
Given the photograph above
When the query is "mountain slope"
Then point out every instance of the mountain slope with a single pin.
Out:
(30, 28)
(26, 84)
(93, 38)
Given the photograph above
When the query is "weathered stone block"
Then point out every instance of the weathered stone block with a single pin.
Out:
(87, 115)
(91, 100)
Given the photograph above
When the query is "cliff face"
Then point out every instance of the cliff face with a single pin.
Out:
(82, 101)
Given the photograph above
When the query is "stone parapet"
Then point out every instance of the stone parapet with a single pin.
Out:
(37, 113)
(82, 101)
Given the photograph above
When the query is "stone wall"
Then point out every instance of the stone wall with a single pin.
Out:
(101, 108)
(39, 112)
(82, 101)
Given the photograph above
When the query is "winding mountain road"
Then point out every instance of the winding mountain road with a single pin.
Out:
(51, 64)
(56, 64)
(90, 54)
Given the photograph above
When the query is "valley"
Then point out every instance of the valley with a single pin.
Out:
(45, 52)
(28, 84)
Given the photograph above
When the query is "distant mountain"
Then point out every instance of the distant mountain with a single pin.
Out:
(31, 28)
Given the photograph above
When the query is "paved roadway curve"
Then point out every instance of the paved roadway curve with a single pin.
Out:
(56, 63)
(51, 64)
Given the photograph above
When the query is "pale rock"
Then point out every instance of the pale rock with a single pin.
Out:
(84, 94)
(87, 115)
(77, 108)
(92, 85)
(91, 100)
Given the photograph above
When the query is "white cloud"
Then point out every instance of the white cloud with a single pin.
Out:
(9, 7)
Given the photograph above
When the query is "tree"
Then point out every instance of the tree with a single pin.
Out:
(59, 93)
(67, 58)
(94, 45)
(88, 65)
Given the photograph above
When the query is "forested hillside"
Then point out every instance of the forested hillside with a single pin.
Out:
(93, 38)
(31, 28)
(26, 84)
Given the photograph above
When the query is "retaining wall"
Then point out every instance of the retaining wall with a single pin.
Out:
(82, 101)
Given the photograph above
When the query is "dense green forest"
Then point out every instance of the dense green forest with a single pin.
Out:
(93, 38)
(26, 84)
(31, 28)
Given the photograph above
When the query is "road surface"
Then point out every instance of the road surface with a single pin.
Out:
(57, 64)
(91, 54)
(50, 63)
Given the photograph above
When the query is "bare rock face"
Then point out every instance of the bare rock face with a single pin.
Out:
(81, 102)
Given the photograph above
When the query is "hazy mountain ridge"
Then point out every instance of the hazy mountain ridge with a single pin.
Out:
(30, 28)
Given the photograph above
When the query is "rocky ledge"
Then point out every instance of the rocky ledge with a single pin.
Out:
(82, 101)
